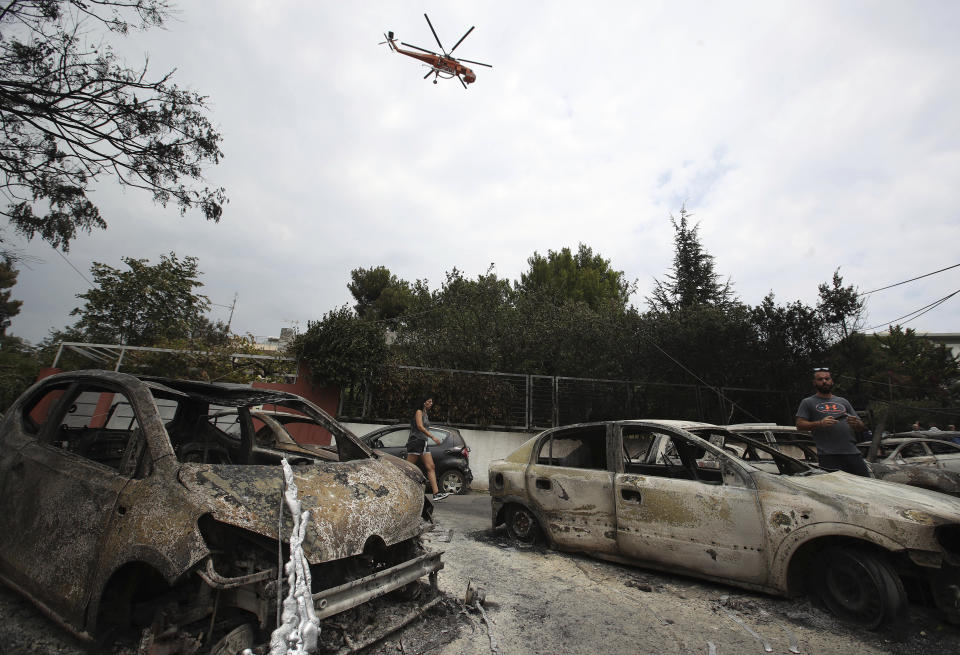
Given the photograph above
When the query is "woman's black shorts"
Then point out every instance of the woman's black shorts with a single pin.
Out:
(416, 446)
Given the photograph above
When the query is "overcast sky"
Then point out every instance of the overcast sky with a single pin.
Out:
(803, 136)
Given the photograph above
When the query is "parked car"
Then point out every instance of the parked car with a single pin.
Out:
(680, 497)
(451, 456)
(124, 503)
(798, 444)
(939, 435)
(917, 451)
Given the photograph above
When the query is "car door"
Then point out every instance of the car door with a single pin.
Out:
(678, 514)
(914, 452)
(569, 485)
(60, 498)
(394, 440)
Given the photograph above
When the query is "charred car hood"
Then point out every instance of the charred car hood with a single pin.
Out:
(349, 502)
(870, 497)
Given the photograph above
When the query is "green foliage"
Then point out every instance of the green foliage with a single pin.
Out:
(462, 325)
(19, 366)
(584, 277)
(8, 308)
(789, 340)
(458, 398)
(144, 305)
(341, 348)
(841, 308)
(917, 361)
(570, 338)
(692, 280)
(379, 294)
(717, 345)
(72, 112)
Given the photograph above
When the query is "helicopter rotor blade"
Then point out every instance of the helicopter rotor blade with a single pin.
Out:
(461, 81)
(478, 63)
(461, 39)
(416, 47)
(429, 73)
(435, 34)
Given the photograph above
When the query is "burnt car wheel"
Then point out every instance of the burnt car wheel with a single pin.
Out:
(522, 524)
(452, 482)
(861, 587)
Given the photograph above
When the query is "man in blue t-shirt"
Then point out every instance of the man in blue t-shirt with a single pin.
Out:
(833, 423)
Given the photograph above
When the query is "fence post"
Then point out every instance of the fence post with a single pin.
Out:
(555, 401)
(366, 400)
(528, 408)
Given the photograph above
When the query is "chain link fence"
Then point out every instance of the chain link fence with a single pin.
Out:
(531, 402)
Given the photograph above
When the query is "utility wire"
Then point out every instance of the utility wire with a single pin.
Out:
(890, 286)
(883, 384)
(699, 379)
(917, 313)
(73, 267)
(944, 411)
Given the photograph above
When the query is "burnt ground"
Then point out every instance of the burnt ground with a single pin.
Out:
(542, 601)
(923, 633)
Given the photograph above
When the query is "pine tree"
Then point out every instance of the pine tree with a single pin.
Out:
(692, 281)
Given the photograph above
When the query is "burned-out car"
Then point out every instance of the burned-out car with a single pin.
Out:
(933, 467)
(125, 504)
(680, 497)
(917, 451)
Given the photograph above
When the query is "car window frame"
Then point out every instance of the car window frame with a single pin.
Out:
(58, 413)
(549, 436)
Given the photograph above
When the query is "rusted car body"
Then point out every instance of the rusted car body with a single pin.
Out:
(123, 504)
(924, 471)
(678, 496)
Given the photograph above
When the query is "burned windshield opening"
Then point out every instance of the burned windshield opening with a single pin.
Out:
(205, 428)
(759, 455)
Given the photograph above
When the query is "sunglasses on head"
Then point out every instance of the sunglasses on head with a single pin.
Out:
(825, 369)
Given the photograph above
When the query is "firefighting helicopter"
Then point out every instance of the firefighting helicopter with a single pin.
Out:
(441, 66)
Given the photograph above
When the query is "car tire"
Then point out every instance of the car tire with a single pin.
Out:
(522, 524)
(452, 481)
(860, 587)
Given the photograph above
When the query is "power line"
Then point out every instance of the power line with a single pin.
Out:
(733, 404)
(917, 313)
(883, 384)
(73, 267)
(865, 293)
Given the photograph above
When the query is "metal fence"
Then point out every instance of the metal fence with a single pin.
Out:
(531, 402)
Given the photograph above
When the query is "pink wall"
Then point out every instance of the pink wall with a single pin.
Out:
(327, 398)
